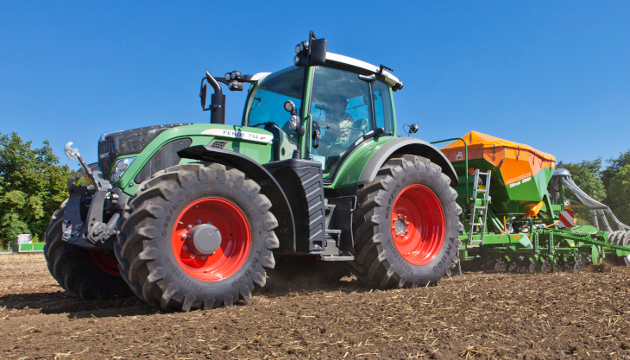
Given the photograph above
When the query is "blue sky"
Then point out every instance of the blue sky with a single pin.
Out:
(553, 75)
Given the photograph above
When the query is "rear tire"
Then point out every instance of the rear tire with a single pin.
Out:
(87, 274)
(168, 275)
(407, 225)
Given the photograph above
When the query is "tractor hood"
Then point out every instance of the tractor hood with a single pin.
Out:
(125, 142)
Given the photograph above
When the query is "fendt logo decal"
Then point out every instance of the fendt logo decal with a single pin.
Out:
(261, 138)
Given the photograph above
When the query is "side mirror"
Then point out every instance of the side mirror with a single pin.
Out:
(203, 94)
(412, 128)
(316, 50)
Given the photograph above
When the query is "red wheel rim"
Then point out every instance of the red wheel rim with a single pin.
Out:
(418, 224)
(107, 263)
(235, 239)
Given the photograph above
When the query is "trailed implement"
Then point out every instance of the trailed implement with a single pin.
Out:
(516, 215)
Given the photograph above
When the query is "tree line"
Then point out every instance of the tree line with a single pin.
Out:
(32, 186)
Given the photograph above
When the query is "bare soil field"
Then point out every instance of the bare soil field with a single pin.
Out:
(477, 315)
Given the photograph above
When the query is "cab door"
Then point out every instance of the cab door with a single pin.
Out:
(347, 109)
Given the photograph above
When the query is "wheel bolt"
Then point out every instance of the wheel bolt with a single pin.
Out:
(183, 236)
(203, 257)
(198, 221)
(185, 247)
(189, 226)
(192, 255)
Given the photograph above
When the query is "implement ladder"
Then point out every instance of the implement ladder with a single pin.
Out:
(480, 200)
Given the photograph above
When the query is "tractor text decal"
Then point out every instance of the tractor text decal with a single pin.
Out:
(239, 135)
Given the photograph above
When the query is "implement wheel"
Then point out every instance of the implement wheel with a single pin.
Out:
(88, 274)
(407, 225)
(196, 236)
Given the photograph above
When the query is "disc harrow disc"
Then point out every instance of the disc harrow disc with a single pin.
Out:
(580, 263)
(501, 265)
(513, 266)
(545, 267)
(532, 267)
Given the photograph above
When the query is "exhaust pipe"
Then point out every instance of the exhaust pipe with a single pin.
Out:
(217, 105)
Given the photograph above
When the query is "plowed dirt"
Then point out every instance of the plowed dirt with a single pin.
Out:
(477, 315)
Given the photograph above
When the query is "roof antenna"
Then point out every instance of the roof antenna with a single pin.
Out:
(381, 67)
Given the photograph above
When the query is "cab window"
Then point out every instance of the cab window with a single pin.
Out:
(341, 108)
(266, 103)
(383, 111)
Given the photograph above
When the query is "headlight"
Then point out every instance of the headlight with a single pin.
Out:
(120, 167)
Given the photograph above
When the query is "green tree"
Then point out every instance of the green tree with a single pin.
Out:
(587, 176)
(608, 175)
(615, 165)
(32, 186)
(620, 187)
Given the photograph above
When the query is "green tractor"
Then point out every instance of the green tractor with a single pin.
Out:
(188, 216)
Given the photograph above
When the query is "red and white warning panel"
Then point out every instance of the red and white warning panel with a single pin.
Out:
(566, 219)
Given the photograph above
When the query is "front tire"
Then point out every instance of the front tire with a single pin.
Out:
(407, 225)
(88, 274)
(167, 270)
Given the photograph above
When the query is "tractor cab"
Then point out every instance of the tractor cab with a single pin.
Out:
(339, 107)
(335, 104)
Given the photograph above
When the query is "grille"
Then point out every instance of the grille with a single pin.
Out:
(164, 158)
(218, 144)
(118, 143)
(106, 155)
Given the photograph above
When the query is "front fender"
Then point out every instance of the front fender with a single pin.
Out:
(411, 146)
(268, 184)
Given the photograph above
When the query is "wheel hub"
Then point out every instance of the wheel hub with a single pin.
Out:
(400, 225)
(204, 239)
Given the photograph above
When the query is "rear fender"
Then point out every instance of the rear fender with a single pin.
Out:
(402, 146)
(268, 184)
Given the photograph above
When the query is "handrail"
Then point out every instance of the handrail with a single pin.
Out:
(465, 159)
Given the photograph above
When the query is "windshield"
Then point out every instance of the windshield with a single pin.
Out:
(267, 102)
